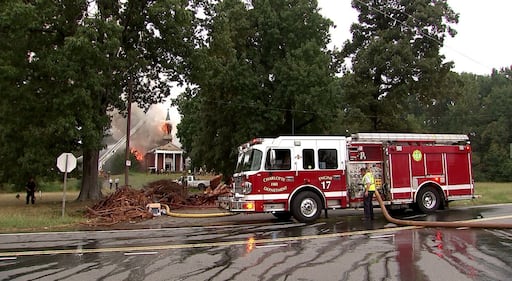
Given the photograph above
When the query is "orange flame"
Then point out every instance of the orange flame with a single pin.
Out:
(166, 128)
(137, 154)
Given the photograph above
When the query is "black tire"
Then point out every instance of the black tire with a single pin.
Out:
(282, 216)
(201, 186)
(306, 207)
(428, 200)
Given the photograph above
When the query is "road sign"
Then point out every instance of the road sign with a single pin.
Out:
(66, 162)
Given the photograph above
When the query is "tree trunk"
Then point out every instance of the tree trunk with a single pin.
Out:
(91, 188)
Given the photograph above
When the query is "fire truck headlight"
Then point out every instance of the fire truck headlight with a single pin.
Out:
(247, 188)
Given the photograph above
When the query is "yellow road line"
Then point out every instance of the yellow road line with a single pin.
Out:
(200, 245)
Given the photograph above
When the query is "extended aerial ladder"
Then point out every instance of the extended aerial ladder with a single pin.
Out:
(111, 149)
(406, 137)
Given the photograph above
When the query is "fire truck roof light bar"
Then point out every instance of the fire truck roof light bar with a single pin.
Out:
(394, 137)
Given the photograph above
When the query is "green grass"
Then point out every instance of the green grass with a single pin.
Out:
(46, 214)
(488, 193)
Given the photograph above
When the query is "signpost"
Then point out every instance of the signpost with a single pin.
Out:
(66, 163)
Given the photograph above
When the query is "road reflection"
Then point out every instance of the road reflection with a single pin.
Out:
(334, 248)
(251, 243)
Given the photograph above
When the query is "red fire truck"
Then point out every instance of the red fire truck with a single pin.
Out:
(300, 176)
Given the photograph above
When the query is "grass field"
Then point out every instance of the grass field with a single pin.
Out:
(46, 214)
(489, 193)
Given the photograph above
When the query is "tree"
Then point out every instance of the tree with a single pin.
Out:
(493, 139)
(67, 68)
(437, 115)
(154, 44)
(264, 70)
(396, 65)
(482, 113)
(38, 106)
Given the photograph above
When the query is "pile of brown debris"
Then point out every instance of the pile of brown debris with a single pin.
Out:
(127, 204)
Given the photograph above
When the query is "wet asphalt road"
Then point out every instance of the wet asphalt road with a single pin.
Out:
(258, 247)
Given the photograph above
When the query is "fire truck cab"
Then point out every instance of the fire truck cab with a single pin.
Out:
(300, 176)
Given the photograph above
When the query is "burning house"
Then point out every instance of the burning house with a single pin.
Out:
(151, 141)
(167, 157)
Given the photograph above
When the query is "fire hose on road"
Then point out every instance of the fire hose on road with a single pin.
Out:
(478, 223)
(454, 224)
(192, 215)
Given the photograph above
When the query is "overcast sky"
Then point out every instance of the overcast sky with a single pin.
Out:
(483, 41)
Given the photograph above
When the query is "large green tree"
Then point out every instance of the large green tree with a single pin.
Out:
(38, 106)
(153, 45)
(396, 66)
(493, 138)
(69, 63)
(264, 70)
(481, 111)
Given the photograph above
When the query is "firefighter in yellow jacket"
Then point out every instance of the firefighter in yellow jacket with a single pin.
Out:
(368, 182)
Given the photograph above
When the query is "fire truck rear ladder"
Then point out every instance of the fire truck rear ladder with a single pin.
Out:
(403, 137)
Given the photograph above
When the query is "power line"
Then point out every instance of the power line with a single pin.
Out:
(399, 21)
(361, 115)
(420, 32)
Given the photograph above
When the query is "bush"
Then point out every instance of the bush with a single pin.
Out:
(7, 187)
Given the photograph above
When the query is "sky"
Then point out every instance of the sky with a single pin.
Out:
(483, 40)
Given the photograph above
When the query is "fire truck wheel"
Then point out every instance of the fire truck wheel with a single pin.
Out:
(201, 187)
(428, 200)
(306, 207)
(282, 216)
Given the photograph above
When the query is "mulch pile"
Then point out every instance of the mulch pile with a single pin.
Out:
(127, 204)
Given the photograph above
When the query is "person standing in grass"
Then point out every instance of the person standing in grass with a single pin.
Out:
(31, 191)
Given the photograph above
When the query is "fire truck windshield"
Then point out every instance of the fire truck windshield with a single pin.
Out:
(249, 160)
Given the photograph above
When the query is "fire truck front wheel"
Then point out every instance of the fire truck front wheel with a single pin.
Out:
(428, 200)
(306, 207)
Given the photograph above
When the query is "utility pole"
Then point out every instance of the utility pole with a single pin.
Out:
(128, 125)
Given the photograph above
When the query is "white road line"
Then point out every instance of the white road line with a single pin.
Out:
(140, 253)
(382, 236)
(271, 246)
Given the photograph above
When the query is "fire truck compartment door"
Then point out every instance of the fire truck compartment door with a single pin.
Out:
(401, 170)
